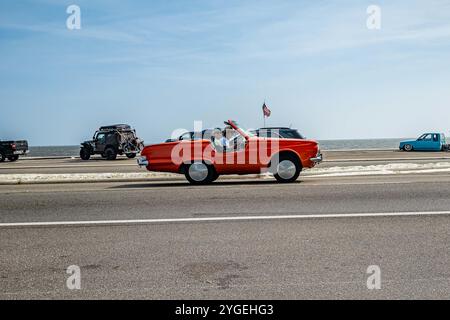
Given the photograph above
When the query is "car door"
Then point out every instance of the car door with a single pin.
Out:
(431, 142)
(425, 142)
(236, 159)
(418, 144)
(435, 144)
(100, 142)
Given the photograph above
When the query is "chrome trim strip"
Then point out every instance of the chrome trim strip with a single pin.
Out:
(317, 159)
(142, 162)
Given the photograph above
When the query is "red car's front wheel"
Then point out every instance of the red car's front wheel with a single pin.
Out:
(287, 169)
(199, 173)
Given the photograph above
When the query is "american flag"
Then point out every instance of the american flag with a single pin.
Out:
(266, 110)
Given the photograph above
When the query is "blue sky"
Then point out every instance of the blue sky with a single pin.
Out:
(160, 65)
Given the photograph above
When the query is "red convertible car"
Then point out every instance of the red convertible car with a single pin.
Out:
(203, 160)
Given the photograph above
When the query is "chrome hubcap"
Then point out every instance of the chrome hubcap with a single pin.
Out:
(198, 171)
(286, 169)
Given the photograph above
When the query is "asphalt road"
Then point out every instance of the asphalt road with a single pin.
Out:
(268, 255)
(122, 164)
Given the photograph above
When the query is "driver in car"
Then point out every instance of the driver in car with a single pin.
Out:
(220, 142)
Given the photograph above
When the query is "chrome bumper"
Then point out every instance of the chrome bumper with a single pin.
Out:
(142, 161)
(317, 159)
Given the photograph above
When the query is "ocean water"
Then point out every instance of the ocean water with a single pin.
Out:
(72, 151)
(361, 144)
(52, 151)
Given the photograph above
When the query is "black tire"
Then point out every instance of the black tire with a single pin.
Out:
(110, 153)
(215, 176)
(131, 155)
(2, 157)
(408, 148)
(287, 168)
(13, 158)
(199, 173)
(85, 154)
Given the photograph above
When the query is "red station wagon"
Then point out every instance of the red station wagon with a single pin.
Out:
(203, 160)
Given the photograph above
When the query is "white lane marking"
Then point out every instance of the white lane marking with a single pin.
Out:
(220, 219)
(378, 173)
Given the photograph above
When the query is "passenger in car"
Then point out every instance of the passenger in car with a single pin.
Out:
(228, 134)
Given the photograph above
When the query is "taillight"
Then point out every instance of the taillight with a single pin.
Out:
(13, 146)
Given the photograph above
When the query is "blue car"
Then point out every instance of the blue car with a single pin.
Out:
(426, 142)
